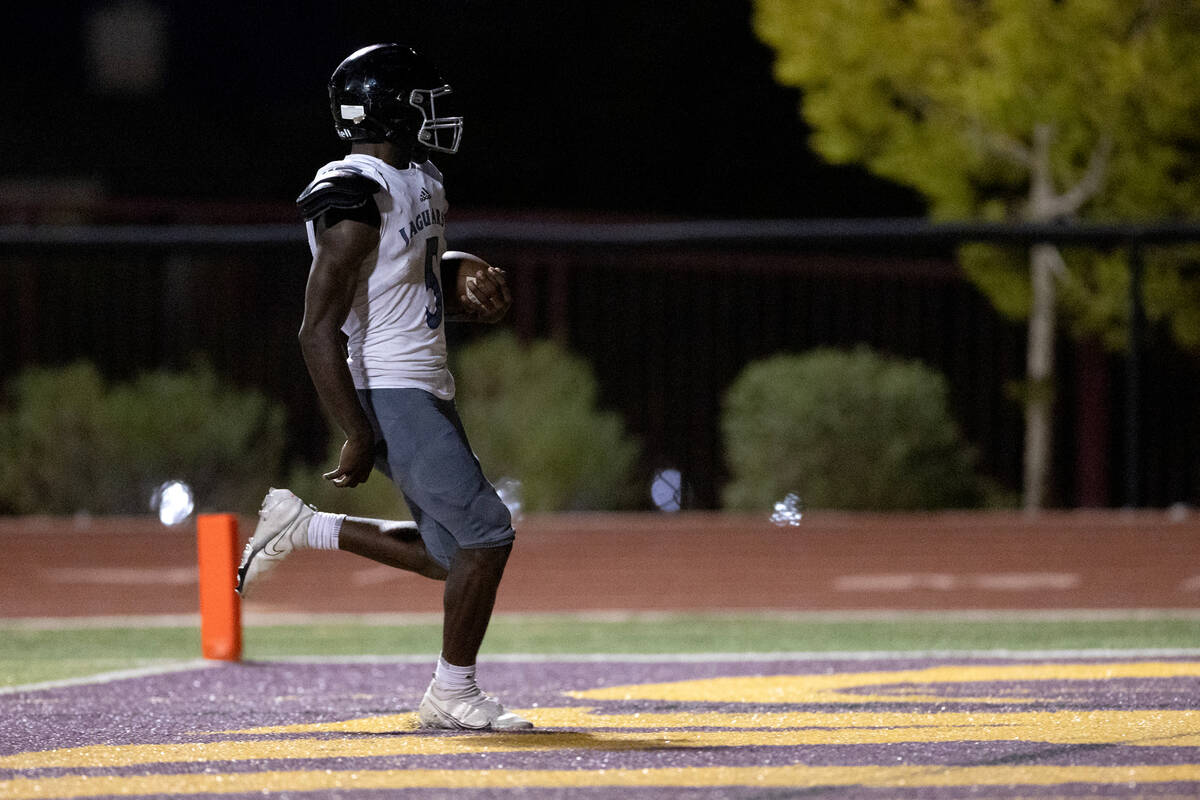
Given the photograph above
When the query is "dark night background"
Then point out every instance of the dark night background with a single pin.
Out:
(618, 107)
(218, 113)
(619, 110)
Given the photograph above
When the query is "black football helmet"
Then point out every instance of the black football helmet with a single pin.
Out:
(387, 92)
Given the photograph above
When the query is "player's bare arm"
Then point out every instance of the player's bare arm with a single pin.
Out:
(340, 250)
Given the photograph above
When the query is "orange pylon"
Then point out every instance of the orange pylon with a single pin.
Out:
(220, 606)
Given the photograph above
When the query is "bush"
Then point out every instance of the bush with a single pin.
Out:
(848, 430)
(530, 412)
(70, 443)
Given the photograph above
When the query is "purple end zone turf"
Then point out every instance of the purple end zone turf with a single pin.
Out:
(203, 706)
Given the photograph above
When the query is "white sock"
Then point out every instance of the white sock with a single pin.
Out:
(451, 678)
(323, 530)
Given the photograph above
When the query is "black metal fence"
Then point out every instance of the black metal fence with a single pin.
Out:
(667, 314)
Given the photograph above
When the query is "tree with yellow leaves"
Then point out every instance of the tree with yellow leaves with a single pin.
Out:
(1035, 110)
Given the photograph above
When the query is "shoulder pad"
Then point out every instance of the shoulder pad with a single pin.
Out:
(429, 169)
(344, 186)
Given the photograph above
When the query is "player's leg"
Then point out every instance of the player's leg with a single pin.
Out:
(483, 536)
(453, 700)
(466, 528)
(396, 544)
(286, 524)
(463, 521)
(468, 599)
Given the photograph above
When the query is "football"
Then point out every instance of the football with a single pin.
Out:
(458, 255)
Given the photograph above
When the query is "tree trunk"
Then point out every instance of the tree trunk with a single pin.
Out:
(1045, 261)
(1039, 354)
(1039, 374)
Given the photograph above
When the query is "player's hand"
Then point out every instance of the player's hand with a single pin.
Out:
(357, 458)
(487, 298)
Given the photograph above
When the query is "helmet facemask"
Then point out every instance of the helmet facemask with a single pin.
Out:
(436, 133)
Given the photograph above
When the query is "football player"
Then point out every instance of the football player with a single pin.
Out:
(379, 292)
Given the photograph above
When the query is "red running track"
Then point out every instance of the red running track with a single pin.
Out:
(65, 567)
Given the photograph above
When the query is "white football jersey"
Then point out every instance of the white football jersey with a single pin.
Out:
(396, 326)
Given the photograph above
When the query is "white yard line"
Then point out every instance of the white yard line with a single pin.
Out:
(109, 677)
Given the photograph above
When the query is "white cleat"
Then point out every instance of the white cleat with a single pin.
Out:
(282, 528)
(474, 711)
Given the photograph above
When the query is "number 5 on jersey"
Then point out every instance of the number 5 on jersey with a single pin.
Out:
(433, 284)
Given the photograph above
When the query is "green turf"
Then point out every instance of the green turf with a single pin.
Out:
(28, 656)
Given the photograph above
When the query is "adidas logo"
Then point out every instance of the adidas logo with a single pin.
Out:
(424, 196)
